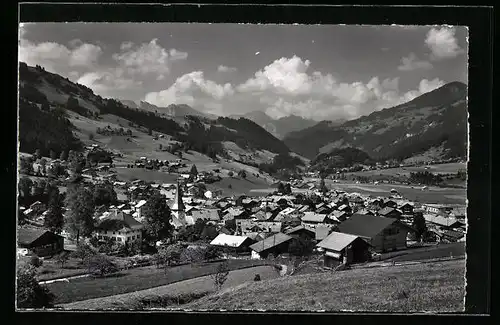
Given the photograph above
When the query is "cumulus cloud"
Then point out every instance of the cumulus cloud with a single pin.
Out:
(191, 89)
(286, 87)
(443, 43)
(58, 57)
(411, 62)
(103, 82)
(223, 68)
(147, 57)
(424, 86)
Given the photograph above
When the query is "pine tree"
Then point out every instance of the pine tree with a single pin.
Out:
(54, 220)
(53, 155)
(194, 171)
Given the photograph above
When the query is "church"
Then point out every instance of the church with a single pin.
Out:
(178, 209)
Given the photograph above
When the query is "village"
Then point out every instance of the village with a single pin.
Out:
(300, 219)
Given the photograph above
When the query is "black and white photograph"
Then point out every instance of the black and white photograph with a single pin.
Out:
(242, 167)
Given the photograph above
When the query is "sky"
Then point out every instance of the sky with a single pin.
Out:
(313, 71)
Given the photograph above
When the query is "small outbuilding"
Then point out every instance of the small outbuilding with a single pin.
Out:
(40, 242)
(340, 247)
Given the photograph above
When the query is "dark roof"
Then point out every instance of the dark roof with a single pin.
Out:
(26, 236)
(297, 229)
(453, 234)
(365, 225)
(208, 214)
(118, 220)
(270, 242)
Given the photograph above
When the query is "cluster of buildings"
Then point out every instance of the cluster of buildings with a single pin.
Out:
(346, 227)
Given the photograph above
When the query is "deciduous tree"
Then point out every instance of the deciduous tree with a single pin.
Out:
(80, 204)
(157, 217)
(30, 294)
(54, 220)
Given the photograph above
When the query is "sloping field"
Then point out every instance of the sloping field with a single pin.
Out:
(204, 284)
(131, 174)
(237, 186)
(432, 287)
(136, 279)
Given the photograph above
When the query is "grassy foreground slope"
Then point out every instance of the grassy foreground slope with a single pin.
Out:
(431, 287)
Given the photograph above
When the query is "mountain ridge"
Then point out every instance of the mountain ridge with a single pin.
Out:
(430, 120)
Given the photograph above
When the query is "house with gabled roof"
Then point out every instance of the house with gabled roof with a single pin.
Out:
(232, 242)
(40, 242)
(340, 247)
(383, 234)
(275, 244)
(118, 226)
(389, 212)
(311, 218)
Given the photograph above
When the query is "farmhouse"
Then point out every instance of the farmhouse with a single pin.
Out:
(275, 244)
(301, 232)
(383, 234)
(390, 213)
(120, 227)
(39, 242)
(234, 243)
(344, 247)
(311, 218)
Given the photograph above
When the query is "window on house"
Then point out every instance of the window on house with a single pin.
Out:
(113, 238)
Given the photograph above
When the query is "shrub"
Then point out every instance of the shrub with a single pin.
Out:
(30, 294)
(35, 261)
(101, 265)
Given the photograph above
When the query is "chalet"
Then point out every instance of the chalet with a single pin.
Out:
(388, 212)
(341, 247)
(442, 222)
(275, 245)
(311, 218)
(233, 243)
(120, 227)
(39, 242)
(407, 208)
(383, 234)
(301, 232)
(339, 216)
(249, 226)
(390, 204)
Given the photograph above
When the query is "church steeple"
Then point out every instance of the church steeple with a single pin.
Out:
(178, 204)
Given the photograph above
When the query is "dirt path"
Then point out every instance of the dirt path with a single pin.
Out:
(200, 284)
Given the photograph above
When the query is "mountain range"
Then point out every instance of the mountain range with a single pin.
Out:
(435, 122)
(278, 127)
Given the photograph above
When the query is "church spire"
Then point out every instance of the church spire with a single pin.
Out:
(178, 204)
